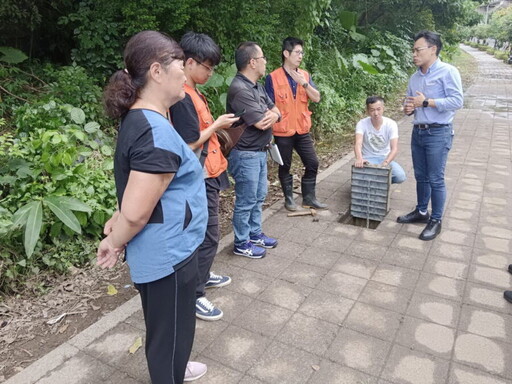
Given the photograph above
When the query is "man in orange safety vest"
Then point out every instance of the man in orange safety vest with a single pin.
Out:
(291, 89)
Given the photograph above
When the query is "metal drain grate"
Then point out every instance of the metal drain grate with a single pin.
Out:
(370, 192)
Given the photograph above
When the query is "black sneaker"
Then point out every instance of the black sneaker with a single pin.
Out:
(413, 217)
(431, 231)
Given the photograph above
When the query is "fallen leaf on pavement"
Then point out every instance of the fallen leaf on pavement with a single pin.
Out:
(111, 290)
(136, 345)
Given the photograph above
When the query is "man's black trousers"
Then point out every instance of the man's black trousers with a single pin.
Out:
(208, 249)
(169, 312)
(303, 144)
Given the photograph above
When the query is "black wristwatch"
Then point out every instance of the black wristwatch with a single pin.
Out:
(425, 103)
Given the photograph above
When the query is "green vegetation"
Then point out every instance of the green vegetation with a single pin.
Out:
(55, 164)
(56, 146)
(499, 29)
(498, 53)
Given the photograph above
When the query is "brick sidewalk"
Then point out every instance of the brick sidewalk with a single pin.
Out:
(335, 303)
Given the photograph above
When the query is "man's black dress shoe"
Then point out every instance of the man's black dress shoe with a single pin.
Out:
(508, 296)
(510, 268)
(413, 217)
(432, 229)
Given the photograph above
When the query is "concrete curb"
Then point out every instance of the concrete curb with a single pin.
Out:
(70, 348)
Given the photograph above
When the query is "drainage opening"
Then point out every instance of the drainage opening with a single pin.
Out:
(347, 218)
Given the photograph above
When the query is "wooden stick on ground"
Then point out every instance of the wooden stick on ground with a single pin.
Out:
(311, 212)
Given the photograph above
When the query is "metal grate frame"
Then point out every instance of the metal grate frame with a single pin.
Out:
(370, 192)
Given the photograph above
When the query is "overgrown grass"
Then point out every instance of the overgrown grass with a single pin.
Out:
(467, 65)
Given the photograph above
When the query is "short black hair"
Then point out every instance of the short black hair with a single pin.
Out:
(244, 53)
(432, 38)
(289, 43)
(373, 99)
(200, 47)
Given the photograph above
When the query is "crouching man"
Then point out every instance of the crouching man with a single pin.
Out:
(377, 139)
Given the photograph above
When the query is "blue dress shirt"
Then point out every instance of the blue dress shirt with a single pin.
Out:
(442, 83)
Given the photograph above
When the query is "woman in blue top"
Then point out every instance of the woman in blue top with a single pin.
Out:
(162, 203)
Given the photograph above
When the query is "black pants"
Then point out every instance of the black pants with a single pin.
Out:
(303, 144)
(208, 249)
(169, 312)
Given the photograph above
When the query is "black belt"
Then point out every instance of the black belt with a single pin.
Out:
(263, 149)
(427, 126)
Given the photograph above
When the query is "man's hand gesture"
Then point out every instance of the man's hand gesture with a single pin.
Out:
(416, 101)
(298, 77)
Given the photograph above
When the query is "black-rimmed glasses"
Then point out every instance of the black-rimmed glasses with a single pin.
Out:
(210, 69)
(418, 50)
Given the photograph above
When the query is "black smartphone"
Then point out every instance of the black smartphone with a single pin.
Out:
(240, 113)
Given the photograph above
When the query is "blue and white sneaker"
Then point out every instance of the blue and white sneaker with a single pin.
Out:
(205, 310)
(250, 250)
(217, 281)
(264, 241)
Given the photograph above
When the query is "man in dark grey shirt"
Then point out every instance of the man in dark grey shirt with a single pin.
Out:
(248, 158)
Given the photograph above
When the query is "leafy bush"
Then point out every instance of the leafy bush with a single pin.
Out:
(255, 20)
(101, 28)
(56, 182)
(23, 83)
(500, 55)
(18, 82)
(98, 37)
(72, 85)
(351, 69)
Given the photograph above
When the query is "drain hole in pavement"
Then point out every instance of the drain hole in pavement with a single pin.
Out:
(347, 218)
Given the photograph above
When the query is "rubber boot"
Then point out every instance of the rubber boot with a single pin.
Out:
(308, 195)
(287, 185)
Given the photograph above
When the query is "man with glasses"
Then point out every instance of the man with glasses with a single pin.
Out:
(433, 95)
(248, 158)
(193, 121)
(291, 88)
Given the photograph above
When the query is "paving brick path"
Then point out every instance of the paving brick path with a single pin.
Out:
(334, 303)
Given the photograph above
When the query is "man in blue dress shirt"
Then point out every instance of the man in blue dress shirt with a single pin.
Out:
(433, 95)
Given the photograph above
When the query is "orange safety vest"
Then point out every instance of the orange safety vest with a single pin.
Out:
(215, 162)
(295, 115)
